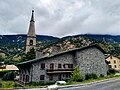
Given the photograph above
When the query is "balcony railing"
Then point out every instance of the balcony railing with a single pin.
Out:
(50, 71)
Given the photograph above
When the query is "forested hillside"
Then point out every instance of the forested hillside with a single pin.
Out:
(12, 47)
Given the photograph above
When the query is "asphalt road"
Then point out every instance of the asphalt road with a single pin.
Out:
(108, 85)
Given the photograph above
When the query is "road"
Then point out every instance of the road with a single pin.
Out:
(108, 85)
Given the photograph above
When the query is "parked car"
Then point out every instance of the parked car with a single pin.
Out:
(60, 82)
(55, 86)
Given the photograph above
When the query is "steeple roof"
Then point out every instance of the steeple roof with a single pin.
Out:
(31, 31)
(32, 17)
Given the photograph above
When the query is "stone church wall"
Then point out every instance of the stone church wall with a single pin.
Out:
(62, 59)
(90, 60)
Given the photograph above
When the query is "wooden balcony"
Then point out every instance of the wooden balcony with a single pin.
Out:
(57, 71)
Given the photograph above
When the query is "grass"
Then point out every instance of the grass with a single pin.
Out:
(7, 84)
(27, 86)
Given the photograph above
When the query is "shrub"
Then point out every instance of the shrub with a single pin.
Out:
(7, 84)
(90, 76)
(76, 75)
(67, 79)
(2, 73)
(9, 76)
(111, 71)
(0, 84)
(16, 84)
(40, 83)
(101, 75)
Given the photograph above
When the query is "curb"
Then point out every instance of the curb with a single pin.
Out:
(91, 83)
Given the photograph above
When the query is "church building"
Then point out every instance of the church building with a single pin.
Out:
(90, 59)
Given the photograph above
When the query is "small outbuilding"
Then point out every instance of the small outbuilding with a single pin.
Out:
(9, 67)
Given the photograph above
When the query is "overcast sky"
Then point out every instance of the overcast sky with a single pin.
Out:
(61, 17)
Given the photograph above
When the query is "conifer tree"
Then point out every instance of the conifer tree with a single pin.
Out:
(76, 74)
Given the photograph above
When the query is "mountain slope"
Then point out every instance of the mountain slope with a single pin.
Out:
(16, 43)
(110, 44)
(107, 38)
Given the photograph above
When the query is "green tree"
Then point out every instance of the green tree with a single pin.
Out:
(9, 76)
(1, 61)
(76, 75)
(29, 55)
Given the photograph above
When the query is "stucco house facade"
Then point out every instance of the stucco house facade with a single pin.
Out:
(114, 62)
(90, 59)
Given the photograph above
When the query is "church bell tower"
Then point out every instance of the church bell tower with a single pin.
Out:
(31, 36)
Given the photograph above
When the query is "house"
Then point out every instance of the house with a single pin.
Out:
(90, 59)
(114, 62)
(9, 67)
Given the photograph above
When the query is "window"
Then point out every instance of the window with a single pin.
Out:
(68, 65)
(109, 62)
(20, 77)
(42, 77)
(42, 65)
(110, 57)
(110, 66)
(115, 66)
(31, 42)
(114, 61)
(23, 78)
(71, 65)
(59, 66)
(27, 78)
(64, 66)
(51, 66)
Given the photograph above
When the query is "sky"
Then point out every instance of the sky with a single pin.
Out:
(60, 17)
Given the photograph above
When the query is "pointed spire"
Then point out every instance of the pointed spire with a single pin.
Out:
(31, 31)
(31, 36)
(32, 17)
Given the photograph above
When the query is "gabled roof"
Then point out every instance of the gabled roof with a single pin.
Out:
(70, 51)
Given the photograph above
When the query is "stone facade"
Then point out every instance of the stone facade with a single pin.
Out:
(59, 66)
(91, 61)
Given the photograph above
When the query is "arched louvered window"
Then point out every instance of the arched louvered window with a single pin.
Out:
(31, 42)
